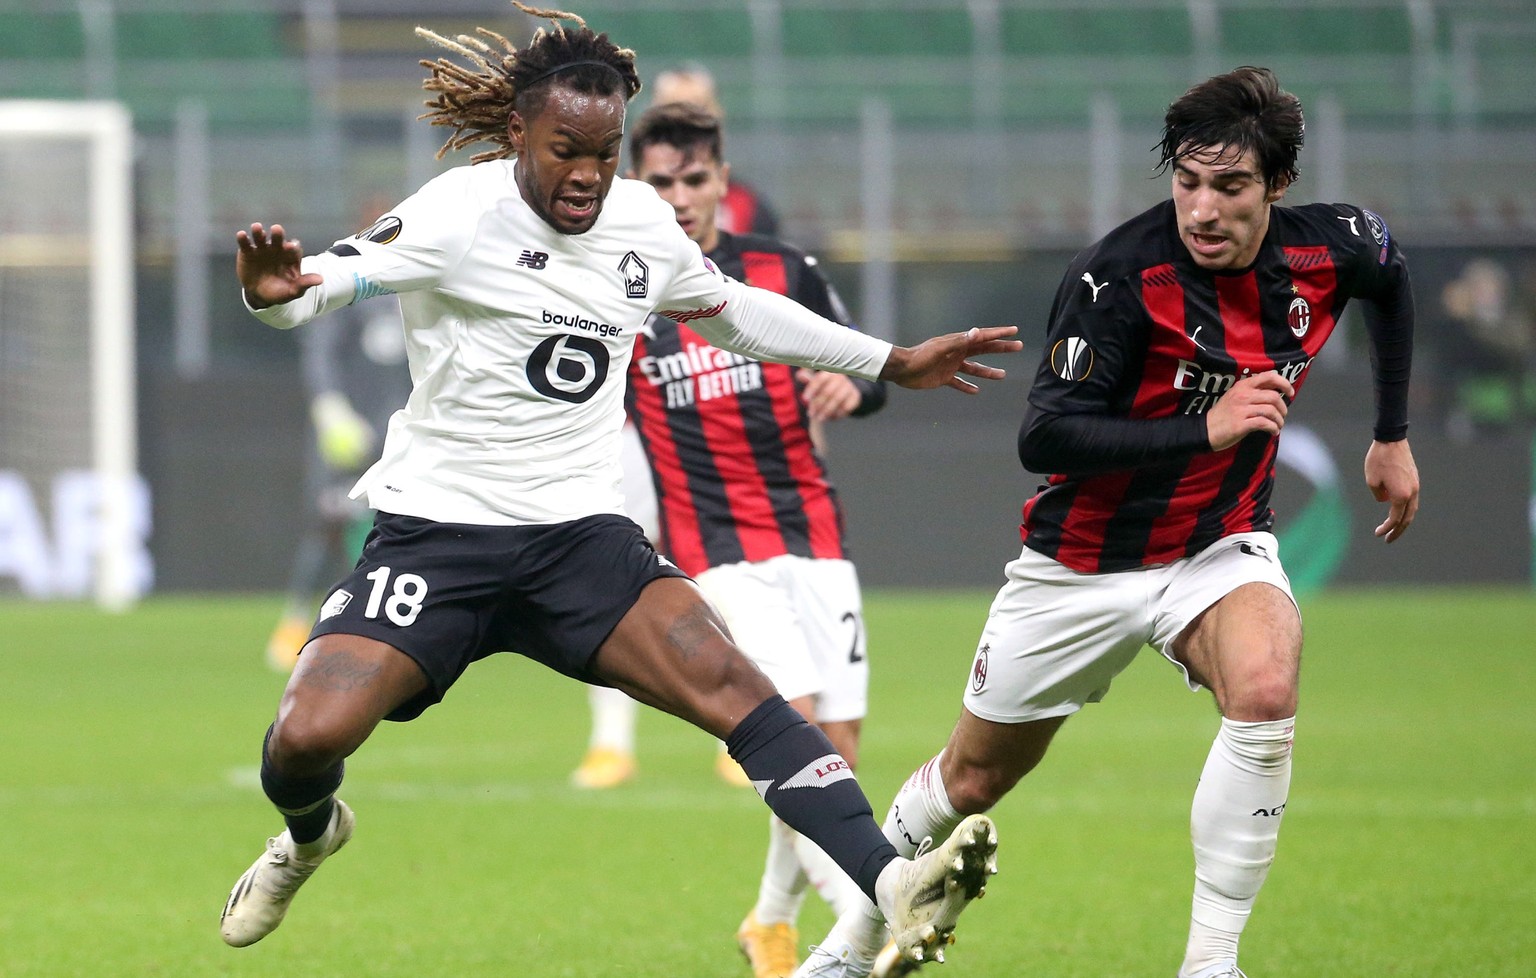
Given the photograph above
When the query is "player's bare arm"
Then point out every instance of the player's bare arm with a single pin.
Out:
(1394, 479)
(939, 361)
(267, 263)
(1258, 402)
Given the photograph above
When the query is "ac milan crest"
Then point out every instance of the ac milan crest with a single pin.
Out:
(1299, 318)
(979, 669)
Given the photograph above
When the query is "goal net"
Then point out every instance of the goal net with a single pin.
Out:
(74, 512)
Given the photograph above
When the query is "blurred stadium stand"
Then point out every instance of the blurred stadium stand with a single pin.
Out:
(994, 104)
(944, 156)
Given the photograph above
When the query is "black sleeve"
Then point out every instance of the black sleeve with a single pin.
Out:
(1094, 350)
(814, 292)
(1089, 444)
(1382, 283)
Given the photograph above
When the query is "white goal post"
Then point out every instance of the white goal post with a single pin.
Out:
(67, 351)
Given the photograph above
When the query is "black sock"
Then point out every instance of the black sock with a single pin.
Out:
(811, 787)
(305, 803)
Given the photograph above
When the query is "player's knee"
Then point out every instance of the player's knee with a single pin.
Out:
(304, 745)
(1267, 696)
(740, 674)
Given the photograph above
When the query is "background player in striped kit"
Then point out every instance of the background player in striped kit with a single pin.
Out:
(1175, 348)
(742, 209)
(609, 760)
(744, 500)
(796, 477)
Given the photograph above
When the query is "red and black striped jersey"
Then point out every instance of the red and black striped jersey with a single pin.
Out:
(1142, 342)
(736, 475)
(744, 211)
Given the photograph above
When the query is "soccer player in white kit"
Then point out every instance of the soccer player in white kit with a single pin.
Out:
(523, 280)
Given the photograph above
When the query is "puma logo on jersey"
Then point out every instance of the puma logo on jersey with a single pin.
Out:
(1351, 222)
(1096, 289)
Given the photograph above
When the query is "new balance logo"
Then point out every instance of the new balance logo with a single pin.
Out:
(535, 260)
(1096, 289)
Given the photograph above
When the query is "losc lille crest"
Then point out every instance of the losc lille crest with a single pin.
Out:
(637, 276)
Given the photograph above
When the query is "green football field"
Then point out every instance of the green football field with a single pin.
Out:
(129, 804)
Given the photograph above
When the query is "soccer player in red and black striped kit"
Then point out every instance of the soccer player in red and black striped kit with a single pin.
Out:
(744, 502)
(1175, 348)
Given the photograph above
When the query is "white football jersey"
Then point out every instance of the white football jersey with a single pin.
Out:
(519, 339)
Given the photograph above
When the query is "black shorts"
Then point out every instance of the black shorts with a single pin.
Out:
(447, 594)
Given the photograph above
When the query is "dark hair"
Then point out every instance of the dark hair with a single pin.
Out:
(477, 104)
(1243, 110)
(684, 126)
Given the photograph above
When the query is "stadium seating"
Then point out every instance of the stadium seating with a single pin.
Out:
(160, 58)
(931, 60)
(1016, 81)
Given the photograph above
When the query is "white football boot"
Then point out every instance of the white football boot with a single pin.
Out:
(260, 898)
(922, 898)
(833, 962)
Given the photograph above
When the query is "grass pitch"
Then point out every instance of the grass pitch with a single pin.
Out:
(130, 804)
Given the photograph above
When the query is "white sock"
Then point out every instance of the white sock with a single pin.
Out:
(1235, 826)
(613, 719)
(921, 811)
(835, 887)
(782, 889)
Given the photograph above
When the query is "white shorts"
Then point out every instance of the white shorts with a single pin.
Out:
(1055, 638)
(800, 619)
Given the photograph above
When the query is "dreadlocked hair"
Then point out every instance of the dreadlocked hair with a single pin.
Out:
(476, 101)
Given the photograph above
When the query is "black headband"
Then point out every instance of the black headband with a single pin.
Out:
(569, 64)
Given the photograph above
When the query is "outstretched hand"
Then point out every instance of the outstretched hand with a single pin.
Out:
(268, 267)
(1394, 479)
(939, 361)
